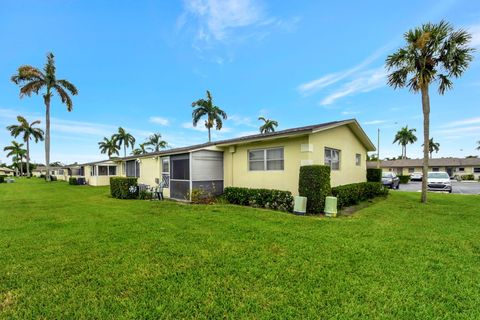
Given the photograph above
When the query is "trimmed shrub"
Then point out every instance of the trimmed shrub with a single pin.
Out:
(314, 183)
(468, 177)
(72, 181)
(404, 179)
(124, 188)
(260, 198)
(145, 195)
(374, 175)
(351, 194)
(2, 179)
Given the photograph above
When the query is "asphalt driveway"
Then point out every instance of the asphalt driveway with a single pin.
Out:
(457, 187)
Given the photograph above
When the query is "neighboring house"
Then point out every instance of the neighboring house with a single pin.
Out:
(98, 173)
(65, 172)
(4, 171)
(270, 161)
(453, 166)
(38, 171)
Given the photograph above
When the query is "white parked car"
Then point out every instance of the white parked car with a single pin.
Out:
(416, 176)
(439, 181)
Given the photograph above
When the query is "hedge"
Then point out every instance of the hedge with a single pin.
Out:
(374, 175)
(404, 179)
(351, 194)
(2, 179)
(468, 177)
(314, 183)
(72, 181)
(124, 188)
(262, 198)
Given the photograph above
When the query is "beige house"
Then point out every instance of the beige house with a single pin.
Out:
(453, 166)
(271, 160)
(98, 173)
(4, 171)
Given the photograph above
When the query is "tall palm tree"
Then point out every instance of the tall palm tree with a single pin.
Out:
(29, 131)
(403, 137)
(156, 143)
(213, 113)
(16, 151)
(268, 125)
(32, 80)
(140, 150)
(433, 53)
(124, 138)
(109, 146)
(433, 147)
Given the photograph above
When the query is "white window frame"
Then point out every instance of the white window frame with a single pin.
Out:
(329, 163)
(265, 160)
(476, 170)
(358, 159)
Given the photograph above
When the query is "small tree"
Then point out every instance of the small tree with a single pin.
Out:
(206, 108)
(124, 138)
(268, 125)
(403, 137)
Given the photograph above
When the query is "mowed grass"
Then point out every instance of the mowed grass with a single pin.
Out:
(73, 252)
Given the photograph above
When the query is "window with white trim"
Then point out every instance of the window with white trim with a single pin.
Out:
(476, 170)
(358, 159)
(411, 170)
(461, 169)
(332, 158)
(266, 159)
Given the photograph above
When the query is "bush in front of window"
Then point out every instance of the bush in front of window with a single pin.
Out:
(2, 178)
(260, 198)
(72, 181)
(404, 179)
(352, 194)
(374, 175)
(468, 177)
(314, 183)
(124, 187)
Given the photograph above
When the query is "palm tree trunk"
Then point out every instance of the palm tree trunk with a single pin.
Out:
(47, 134)
(209, 136)
(124, 150)
(28, 157)
(426, 139)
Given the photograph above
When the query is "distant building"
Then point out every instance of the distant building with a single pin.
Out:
(453, 166)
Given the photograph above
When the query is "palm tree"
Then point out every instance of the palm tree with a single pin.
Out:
(268, 125)
(207, 108)
(404, 137)
(32, 80)
(16, 151)
(156, 143)
(124, 138)
(478, 147)
(434, 53)
(433, 146)
(140, 150)
(29, 131)
(109, 146)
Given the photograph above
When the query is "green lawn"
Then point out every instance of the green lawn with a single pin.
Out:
(73, 252)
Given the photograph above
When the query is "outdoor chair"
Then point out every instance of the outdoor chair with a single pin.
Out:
(157, 192)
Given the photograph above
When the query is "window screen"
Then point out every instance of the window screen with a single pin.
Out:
(266, 159)
(165, 165)
(180, 169)
(112, 170)
(358, 159)
(332, 158)
(103, 170)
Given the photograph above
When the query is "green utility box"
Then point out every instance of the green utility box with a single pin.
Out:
(330, 206)
(300, 205)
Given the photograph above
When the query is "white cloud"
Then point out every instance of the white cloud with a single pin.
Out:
(474, 130)
(365, 82)
(239, 120)
(372, 122)
(332, 78)
(159, 120)
(475, 32)
(217, 18)
(463, 122)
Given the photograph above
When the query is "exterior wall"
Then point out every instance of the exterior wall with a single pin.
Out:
(149, 170)
(237, 174)
(343, 139)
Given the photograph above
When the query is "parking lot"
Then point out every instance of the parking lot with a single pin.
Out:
(457, 187)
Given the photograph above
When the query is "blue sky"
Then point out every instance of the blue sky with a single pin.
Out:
(140, 64)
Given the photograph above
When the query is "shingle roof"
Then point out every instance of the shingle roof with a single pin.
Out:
(438, 162)
(259, 136)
